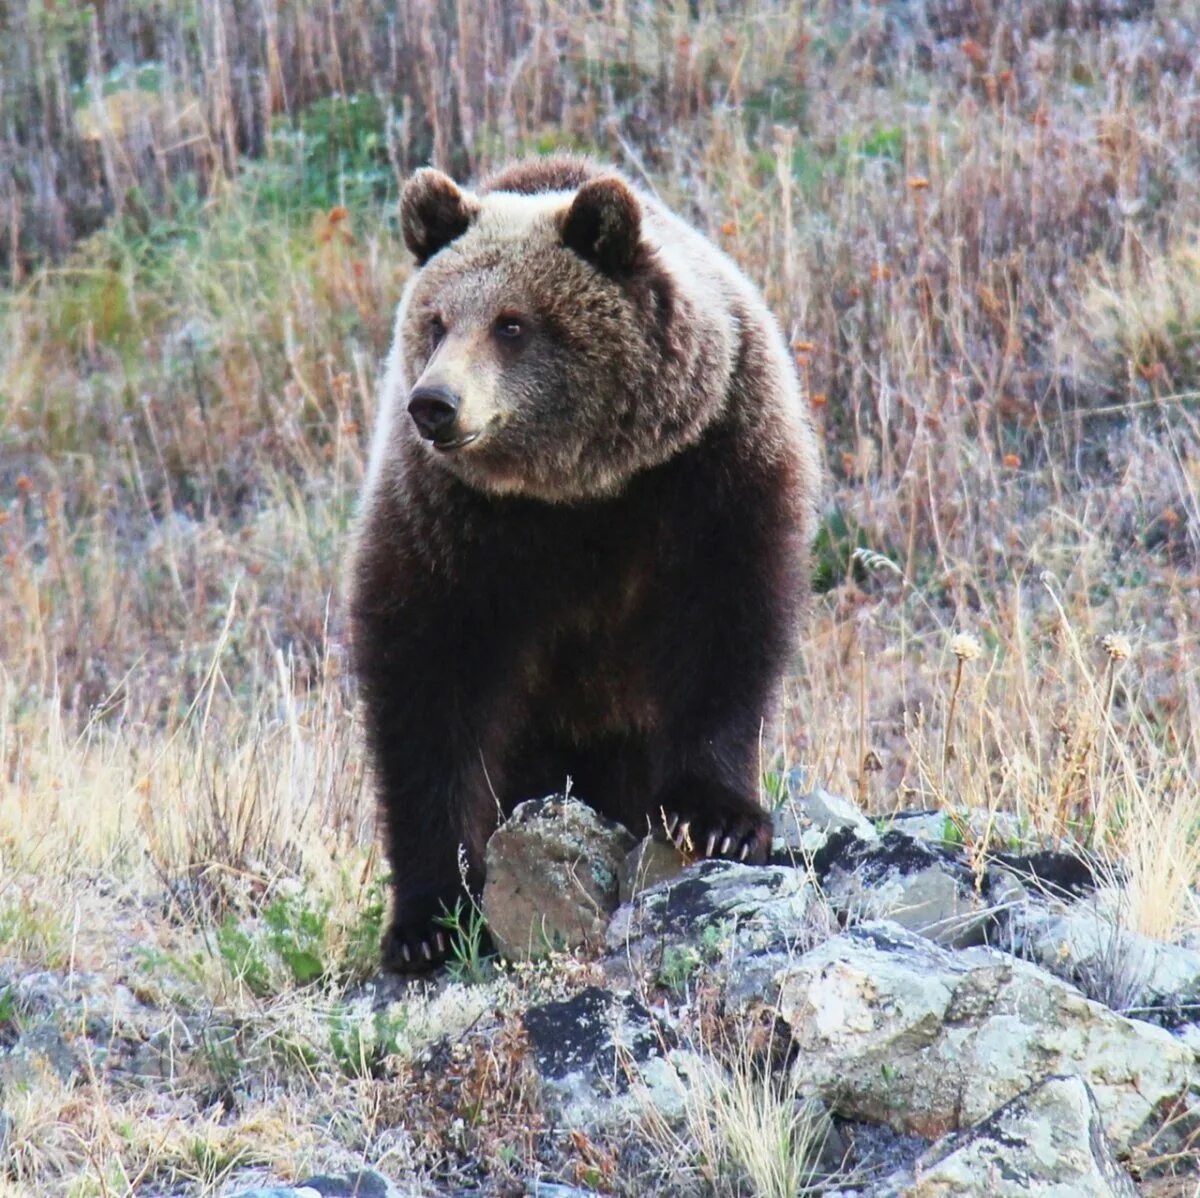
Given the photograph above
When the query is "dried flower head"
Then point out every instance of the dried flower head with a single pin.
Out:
(965, 647)
(1118, 646)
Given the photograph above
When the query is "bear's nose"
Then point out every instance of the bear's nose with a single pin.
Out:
(434, 410)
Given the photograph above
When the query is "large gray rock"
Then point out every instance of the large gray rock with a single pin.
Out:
(602, 1060)
(41, 1048)
(1085, 943)
(804, 823)
(715, 907)
(552, 877)
(891, 1027)
(919, 887)
(366, 1183)
(1047, 1142)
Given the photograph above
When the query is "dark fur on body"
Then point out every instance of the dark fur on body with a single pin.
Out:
(629, 632)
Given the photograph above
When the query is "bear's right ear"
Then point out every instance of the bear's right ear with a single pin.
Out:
(604, 224)
(433, 212)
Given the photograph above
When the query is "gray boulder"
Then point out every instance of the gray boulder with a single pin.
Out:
(653, 861)
(894, 1028)
(921, 888)
(366, 1183)
(716, 907)
(1047, 1142)
(602, 1060)
(552, 877)
(1086, 944)
(804, 823)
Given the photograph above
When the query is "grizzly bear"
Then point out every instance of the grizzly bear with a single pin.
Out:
(582, 547)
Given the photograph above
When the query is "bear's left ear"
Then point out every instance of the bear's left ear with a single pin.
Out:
(604, 225)
(433, 212)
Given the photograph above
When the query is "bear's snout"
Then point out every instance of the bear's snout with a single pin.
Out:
(434, 411)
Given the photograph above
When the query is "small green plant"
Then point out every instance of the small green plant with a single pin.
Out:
(296, 934)
(679, 964)
(833, 556)
(360, 958)
(469, 962)
(775, 788)
(362, 1045)
(243, 957)
(952, 832)
(33, 931)
(223, 1055)
(9, 1027)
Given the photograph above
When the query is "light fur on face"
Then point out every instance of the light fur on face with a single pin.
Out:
(643, 363)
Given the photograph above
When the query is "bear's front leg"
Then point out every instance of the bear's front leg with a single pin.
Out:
(424, 710)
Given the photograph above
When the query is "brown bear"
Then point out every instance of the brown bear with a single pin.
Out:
(583, 542)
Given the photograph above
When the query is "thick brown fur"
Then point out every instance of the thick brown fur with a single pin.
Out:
(604, 582)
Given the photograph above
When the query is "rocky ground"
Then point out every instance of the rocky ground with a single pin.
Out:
(906, 1007)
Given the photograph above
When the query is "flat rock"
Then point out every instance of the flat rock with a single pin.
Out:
(909, 881)
(745, 907)
(601, 1059)
(552, 877)
(1047, 1141)
(364, 1184)
(892, 1027)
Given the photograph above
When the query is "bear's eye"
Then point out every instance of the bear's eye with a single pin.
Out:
(509, 328)
(437, 331)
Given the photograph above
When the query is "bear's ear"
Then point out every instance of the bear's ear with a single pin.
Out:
(604, 225)
(433, 212)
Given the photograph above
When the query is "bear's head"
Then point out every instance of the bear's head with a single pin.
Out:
(553, 340)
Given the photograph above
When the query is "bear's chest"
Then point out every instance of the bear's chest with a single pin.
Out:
(587, 668)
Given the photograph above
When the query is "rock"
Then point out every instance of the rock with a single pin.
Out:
(653, 861)
(874, 1150)
(712, 906)
(39, 1049)
(276, 1192)
(905, 880)
(602, 1059)
(803, 824)
(1085, 944)
(552, 872)
(364, 1184)
(988, 830)
(891, 1027)
(1048, 873)
(1046, 1141)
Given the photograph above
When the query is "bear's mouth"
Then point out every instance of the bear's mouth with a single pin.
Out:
(457, 443)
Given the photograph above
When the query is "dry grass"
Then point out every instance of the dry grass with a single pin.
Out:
(747, 1127)
(979, 232)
